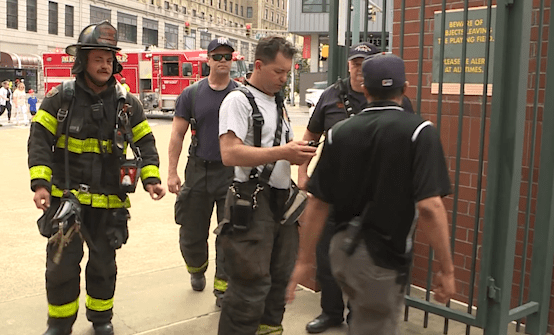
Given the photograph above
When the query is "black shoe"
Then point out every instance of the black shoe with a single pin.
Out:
(103, 328)
(322, 323)
(198, 281)
(56, 331)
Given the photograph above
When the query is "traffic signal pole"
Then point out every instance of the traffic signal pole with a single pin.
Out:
(334, 50)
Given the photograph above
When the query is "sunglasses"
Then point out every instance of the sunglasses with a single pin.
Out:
(218, 57)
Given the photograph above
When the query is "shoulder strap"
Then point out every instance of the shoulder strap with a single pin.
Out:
(192, 121)
(256, 115)
(342, 85)
(68, 92)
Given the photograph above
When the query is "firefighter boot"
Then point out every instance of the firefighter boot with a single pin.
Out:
(60, 326)
(103, 328)
(197, 281)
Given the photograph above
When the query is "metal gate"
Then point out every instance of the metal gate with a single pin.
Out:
(499, 148)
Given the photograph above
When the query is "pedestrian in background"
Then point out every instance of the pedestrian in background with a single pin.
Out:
(378, 169)
(123, 83)
(206, 178)
(32, 101)
(5, 99)
(20, 104)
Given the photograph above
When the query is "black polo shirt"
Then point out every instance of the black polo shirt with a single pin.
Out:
(385, 156)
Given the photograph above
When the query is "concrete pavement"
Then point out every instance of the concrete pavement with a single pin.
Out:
(153, 294)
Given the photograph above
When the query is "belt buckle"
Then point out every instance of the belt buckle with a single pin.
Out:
(83, 188)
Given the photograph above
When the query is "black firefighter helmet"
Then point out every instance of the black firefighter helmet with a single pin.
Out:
(100, 36)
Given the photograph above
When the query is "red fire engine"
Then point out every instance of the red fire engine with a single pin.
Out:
(157, 77)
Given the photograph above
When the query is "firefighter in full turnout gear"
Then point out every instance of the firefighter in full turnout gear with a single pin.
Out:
(81, 175)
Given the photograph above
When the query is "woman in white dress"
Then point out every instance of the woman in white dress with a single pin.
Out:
(20, 104)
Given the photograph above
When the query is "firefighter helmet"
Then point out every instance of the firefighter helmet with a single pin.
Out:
(101, 36)
(95, 36)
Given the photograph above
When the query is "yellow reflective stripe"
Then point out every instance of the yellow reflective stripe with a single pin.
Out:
(63, 311)
(41, 172)
(46, 120)
(95, 200)
(150, 171)
(267, 330)
(220, 284)
(88, 145)
(140, 130)
(98, 305)
(192, 269)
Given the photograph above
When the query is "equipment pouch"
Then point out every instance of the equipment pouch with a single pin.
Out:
(129, 174)
(44, 223)
(117, 230)
(295, 205)
(241, 214)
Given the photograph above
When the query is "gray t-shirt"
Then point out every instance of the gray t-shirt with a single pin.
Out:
(235, 115)
(206, 113)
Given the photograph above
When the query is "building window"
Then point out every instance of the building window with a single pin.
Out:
(248, 12)
(283, 4)
(126, 27)
(31, 15)
(244, 48)
(149, 32)
(52, 18)
(314, 6)
(277, 3)
(211, 2)
(219, 4)
(166, 4)
(237, 9)
(242, 11)
(225, 5)
(69, 18)
(184, 9)
(190, 41)
(98, 14)
(176, 7)
(211, 18)
(272, 17)
(266, 14)
(11, 17)
(277, 18)
(231, 6)
(194, 12)
(171, 36)
(205, 39)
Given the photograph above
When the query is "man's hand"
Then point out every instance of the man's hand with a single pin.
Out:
(298, 152)
(174, 183)
(156, 191)
(445, 286)
(42, 198)
(303, 178)
(300, 273)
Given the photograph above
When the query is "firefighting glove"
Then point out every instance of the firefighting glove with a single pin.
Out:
(117, 231)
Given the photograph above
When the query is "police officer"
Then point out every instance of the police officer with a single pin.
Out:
(207, 179)
(259, 250)
(376, 169)
(337, 102)
(81, 178)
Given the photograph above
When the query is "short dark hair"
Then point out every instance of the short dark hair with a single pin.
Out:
(269, 47)
(384, 94)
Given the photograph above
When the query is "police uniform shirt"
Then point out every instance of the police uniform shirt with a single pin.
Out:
(206, 113)
(386, 156)
(330, 108)
(236, 115)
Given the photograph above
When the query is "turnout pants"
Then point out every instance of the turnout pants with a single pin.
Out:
(375, 295)
(206, 183)
(63, 280)
(259, 263)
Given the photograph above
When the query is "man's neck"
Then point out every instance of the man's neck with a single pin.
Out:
(93, 87)
(218, 82)
(257, 82)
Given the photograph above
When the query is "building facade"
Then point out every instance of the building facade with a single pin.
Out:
(32, 27)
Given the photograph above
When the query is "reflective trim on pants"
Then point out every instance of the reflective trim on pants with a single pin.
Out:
(220, 284)
(269, 330)
(63, 311)
(99, 305)
(202, 268)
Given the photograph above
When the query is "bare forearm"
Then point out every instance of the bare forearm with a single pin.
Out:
(308, 136)
(434, 224)
(313, 221)
(174, 152)
(244, 155)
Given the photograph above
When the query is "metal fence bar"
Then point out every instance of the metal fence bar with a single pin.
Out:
(441, 67)
(458, 142)
(441, 310)
(482, 129)
(513, 26)
(543, 246)
(420, 64)
(531, 161)
(523, 310)
(402, 19)
(384, 28)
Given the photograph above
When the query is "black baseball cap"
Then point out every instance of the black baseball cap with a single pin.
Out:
(220, 42)
(362, 50)
(383, 71)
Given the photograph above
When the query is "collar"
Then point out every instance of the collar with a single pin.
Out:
(378, 106)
